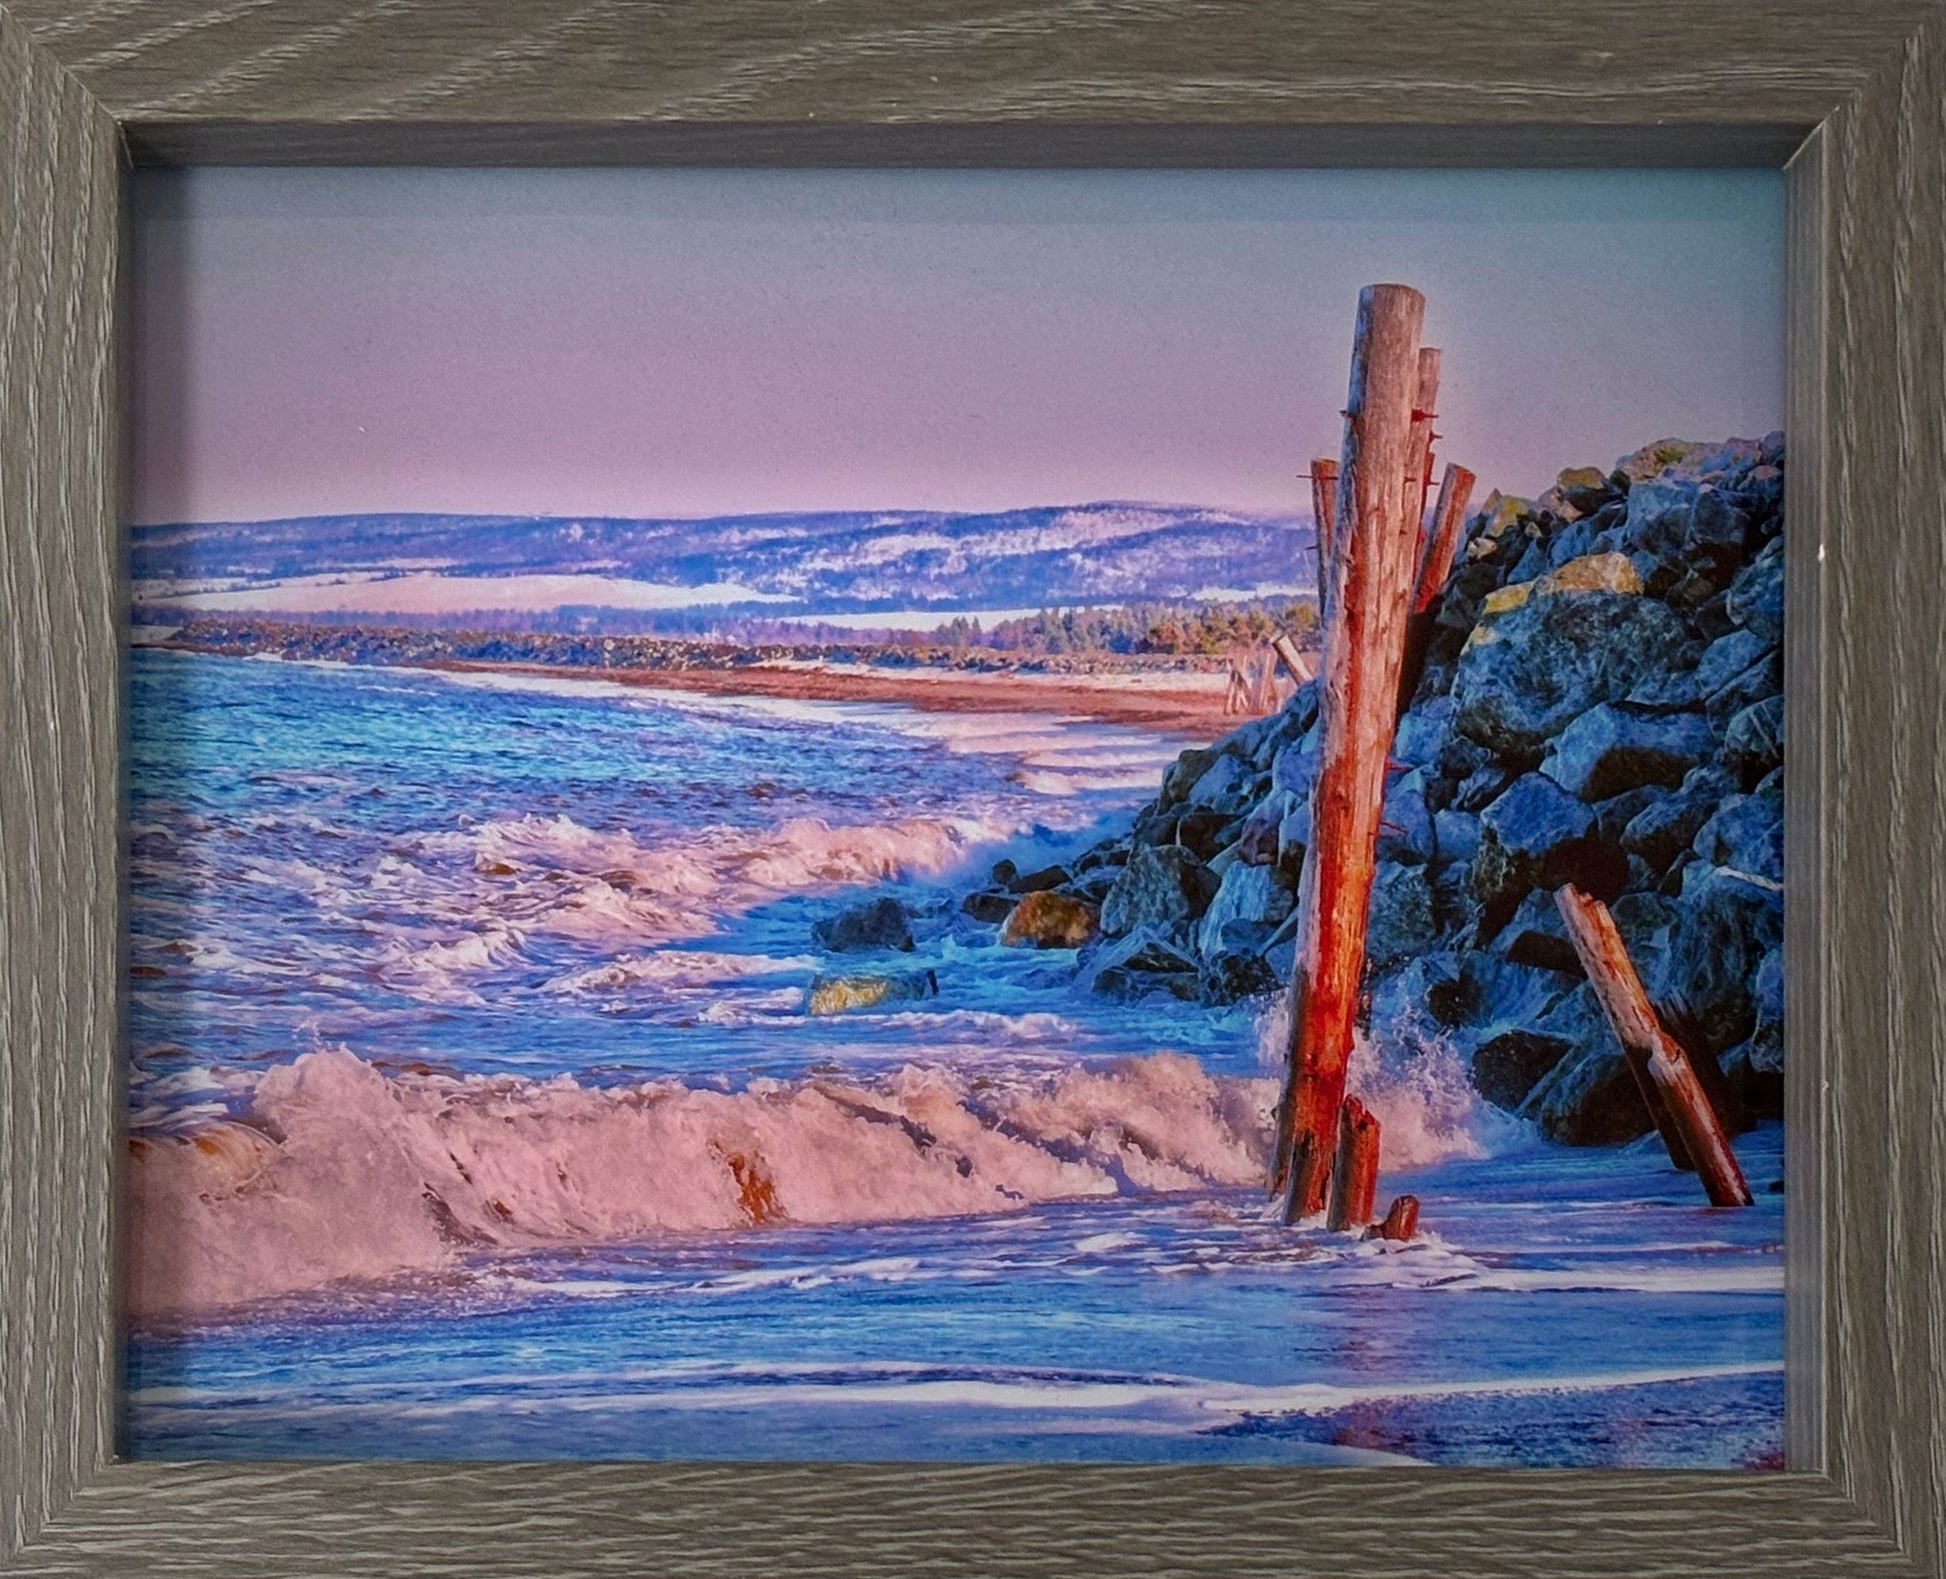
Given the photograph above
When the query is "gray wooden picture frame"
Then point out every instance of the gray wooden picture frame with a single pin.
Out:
(1849, 98)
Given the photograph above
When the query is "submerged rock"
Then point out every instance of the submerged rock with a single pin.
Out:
(836, 994)
(877, 923)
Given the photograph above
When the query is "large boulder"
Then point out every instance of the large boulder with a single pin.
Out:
(1537, 835)
(1542, 657)
(1162, 886)
(1255, 895)
(875, 924)
(1456, 838)
(1607, 750)
(1045, 919)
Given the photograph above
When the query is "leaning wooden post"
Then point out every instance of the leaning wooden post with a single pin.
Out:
(1455, 492)
(1605, 958)
(1366, 600)
(1354, 1178)
(1324, 499)
(1301, 668)
(1435, 564)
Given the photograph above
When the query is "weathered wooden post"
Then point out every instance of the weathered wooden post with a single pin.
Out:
(1612, 972)
(1324, 501)
(1419, 460)
(1455, 492)
(1354, 1178)
(1301, 668)
(1401, 1219)
(1435, 564)
(1367, 596)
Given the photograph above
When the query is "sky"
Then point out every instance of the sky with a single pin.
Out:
(697, 342)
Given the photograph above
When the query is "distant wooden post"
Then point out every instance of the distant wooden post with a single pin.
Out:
(1300, 667)
(1368, 594)
(1324, 500)
(1644, 1042)
(1401, 1219)
(1354, 1178)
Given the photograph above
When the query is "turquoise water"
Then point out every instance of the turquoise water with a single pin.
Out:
(520, 881)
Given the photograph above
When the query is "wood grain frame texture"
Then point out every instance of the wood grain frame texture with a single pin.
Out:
(1850, 97)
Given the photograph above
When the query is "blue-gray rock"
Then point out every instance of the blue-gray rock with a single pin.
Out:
(1416, 1001)
(1753, 741)
(1423, 733)
(1161, 886)
(1729, 656)
(1726, 921)
(1527, 673)
(1615, 813)
(1181, 778)
(1224, 786)
(1536, 935)
(1719, 531)
(1658, 517)
(1294, 835)
(1255, 894)
(1480, 788)
(1203, 831)
(1295, 767)
(1400, 922)
(877, 923)
(1663, 829)
(1235, 974)
(1538, 835)
(1405, 827)
(1756, 597)
(990, 908)
(1607, 750)
(1456, 837)
(1590, 1098)
(1746, 834)
(1146, 960)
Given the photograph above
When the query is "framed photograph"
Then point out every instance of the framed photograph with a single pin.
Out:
(767, 821)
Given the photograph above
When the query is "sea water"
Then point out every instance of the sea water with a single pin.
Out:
(488, 900)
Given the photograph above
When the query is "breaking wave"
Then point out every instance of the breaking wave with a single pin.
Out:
(345, 1171)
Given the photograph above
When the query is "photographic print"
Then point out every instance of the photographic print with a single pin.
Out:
(956, 815)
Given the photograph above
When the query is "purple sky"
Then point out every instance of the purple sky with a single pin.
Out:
(637, 342)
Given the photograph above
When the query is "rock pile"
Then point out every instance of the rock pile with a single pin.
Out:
(1601, 703)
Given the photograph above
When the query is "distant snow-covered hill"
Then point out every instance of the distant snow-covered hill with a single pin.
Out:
(824, 563)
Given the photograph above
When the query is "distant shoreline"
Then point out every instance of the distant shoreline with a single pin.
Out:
(1183, 703)
(1193, 711)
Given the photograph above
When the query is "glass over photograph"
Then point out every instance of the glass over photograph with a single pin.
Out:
(983, 815)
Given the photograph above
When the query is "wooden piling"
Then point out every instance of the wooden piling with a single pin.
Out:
(1354, 1178)
(1442, 543)
(1644, 1042)
(1401, 1219)
(1425, 401)
(1367, 596)
(1324, 509)
(1434, 565)
(1299, 667)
